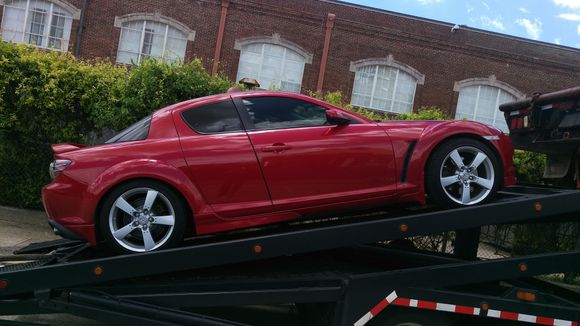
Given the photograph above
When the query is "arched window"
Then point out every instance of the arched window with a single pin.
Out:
(274, 66)
(479, 100)
(274, 62)
(158, 38)
(44, 24)
(384, 84)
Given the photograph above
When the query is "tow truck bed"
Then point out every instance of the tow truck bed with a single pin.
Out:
(341, 266)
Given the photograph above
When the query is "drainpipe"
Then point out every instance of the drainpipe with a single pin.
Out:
(220, 37)
(329, 26)
(81, 28)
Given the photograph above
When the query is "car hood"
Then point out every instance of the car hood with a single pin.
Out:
(422, 124)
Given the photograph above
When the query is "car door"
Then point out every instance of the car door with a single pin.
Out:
(221, 159)
(307, 162)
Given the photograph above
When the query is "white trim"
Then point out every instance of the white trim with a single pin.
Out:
(72, 10)
(65, 11)
(391, 62)
(277, 40)
(25, 22)
(489, 81)
(140, 49)
(156, 17)
(46, 35)
(375, 64)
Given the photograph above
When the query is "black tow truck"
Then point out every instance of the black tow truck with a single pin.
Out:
(350, 270)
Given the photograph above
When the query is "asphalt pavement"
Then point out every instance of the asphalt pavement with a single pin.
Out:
(19, 228)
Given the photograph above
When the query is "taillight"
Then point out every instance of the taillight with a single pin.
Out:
(57, 166)
(519, 120)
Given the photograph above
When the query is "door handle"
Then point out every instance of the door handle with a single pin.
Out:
(276, 148)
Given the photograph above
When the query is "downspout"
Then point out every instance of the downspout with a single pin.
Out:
(220, 37)
(81, 28)
(329, 26)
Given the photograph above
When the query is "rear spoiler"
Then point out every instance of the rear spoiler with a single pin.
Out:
(65, 148)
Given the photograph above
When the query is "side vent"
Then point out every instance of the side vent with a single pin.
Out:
(407, 159)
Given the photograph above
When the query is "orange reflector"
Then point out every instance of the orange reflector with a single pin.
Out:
(484, 306)
(523, 267)
(538, 207)
(404, 227)
(258, 249)
(98, 271)
(525, 296)
(3, 284)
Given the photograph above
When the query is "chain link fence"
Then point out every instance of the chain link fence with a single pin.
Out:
(502, 241)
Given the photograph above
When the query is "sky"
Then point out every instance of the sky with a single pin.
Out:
(552, 21)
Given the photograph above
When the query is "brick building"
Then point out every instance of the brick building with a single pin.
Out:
(378, 59)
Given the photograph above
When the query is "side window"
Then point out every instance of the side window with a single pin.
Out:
(213, 118)
(280, 113)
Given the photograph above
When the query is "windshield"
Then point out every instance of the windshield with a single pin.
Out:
(138, 131)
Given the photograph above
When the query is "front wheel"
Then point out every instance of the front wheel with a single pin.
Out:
(141, 216)
(463, 172)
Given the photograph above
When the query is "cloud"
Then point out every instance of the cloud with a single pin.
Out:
(532, 29)
(558, 40)
(570, 16)
(428, 2)
(495, 23)
(524, 10)
(485, 5)
(572, 4)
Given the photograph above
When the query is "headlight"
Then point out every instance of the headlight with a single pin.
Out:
(57, 166)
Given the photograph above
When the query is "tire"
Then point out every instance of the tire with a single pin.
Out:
(160, 225)
(451, 170)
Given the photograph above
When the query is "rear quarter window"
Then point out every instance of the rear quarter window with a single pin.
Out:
(137, 131)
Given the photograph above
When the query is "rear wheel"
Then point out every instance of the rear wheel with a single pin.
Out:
(142, 216)
(462, 172)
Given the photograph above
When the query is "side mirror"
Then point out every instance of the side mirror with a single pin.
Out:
(335, 117)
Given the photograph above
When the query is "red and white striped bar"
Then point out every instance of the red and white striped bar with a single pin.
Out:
(432, 305)
(377, 309)
(529, 318)
(393, 299)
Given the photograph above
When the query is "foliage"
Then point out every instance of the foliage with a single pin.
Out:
(50, 97)
(529, 166)
(424, 113)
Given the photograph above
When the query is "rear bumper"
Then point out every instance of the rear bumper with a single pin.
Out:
(63, 232)
(66, 208)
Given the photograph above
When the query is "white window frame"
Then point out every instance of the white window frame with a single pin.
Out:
(278, 81)
(68, 12)
(393, 99)
(120, 22)
(275, 39)
(389, 62)
(144, 31)
(491, 81)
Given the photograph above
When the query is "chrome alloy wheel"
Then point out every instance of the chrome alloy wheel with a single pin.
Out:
(467, 175)
(141, 219)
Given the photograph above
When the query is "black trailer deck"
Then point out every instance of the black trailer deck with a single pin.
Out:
(341, 266)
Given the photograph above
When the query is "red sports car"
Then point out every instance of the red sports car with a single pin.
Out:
(246, 159)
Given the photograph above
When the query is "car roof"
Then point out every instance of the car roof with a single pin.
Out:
(233, 95)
